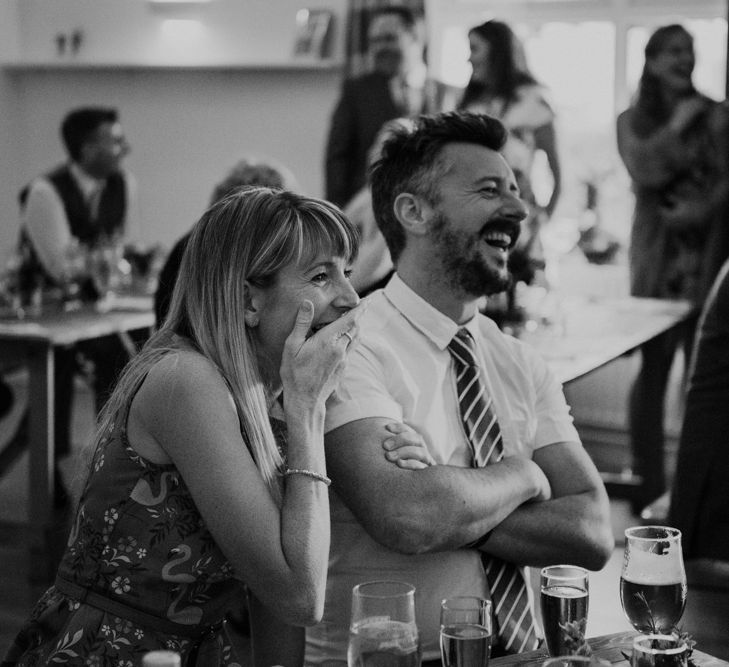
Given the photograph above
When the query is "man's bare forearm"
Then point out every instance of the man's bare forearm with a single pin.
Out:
(415, 511)
(573, 528)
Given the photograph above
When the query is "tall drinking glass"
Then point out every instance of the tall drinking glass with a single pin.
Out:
(653, 579)
(659, 651)
(382, 632)
(465, 632)
(564, 599)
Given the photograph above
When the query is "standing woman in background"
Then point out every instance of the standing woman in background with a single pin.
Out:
(673, 141)
(502, 86)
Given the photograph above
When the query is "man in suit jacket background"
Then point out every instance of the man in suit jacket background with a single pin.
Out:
(395, 87)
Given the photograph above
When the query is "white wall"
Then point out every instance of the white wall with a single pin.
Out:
(186, 129)
(187, 126)
(8, 46)
(139, 31)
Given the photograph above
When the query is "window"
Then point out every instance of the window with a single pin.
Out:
(589, 55)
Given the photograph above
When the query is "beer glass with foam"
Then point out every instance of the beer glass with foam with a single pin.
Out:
(564, 598)
(653, 579)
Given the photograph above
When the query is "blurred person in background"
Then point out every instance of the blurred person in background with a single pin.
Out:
(82, 203)
(396, 86)
(373, 266)
(698, 504)
(249, 171)
(502, 86)
(699, 507)
(673, 141)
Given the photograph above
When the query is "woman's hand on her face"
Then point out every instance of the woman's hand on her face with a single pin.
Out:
(312, 364)
(406, 447)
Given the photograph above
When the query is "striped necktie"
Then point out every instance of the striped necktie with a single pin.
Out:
(516, 625)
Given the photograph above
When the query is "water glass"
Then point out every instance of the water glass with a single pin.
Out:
(657, 650)
(564, 598)
(653, 579)
(465, 631)
(382, 630)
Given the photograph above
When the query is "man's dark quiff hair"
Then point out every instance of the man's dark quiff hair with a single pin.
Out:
(410, 162)
(79, 125)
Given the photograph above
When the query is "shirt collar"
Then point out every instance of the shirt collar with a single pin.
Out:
(433, 324)
(86, 183)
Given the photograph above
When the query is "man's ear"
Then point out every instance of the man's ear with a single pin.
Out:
(412, 212)
(253, 301)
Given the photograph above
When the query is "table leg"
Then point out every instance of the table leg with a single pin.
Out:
(42, 461)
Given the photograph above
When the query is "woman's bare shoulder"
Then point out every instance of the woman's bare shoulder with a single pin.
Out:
(184, 375)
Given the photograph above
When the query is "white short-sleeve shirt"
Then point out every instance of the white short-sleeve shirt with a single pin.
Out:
(402, 370)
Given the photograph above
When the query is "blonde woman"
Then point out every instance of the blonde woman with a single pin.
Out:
(208, 468)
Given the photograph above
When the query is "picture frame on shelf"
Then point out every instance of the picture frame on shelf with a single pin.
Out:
(314, 30)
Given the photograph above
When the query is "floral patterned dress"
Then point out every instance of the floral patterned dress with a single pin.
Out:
(140, 572)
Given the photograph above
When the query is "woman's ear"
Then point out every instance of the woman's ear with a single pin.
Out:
(252, 297)
(412, 213)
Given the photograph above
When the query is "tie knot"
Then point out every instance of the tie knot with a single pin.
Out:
(463, 348)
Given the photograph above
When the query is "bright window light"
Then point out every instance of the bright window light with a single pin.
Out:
(589, 55)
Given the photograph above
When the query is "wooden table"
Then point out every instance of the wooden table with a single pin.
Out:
(607, 647)
(590, 332)
(33, 341)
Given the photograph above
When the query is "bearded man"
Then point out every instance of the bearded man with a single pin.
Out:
(505, 483)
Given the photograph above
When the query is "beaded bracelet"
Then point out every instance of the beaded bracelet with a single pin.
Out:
(308, 473)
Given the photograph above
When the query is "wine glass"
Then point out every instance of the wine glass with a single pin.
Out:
(382, 629)
(75, 274)
(564, 599)
(653, 579)
(107, 268)
(657, 650)
(465, 631)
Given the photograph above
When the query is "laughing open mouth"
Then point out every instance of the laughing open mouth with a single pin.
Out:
(499, 240)
(501, 234)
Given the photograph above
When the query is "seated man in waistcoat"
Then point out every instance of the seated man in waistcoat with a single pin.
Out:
(87, 200)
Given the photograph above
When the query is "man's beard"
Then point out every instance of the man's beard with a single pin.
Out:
(465, 269)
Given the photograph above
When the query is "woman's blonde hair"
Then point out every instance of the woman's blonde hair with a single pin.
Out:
(250, 235)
